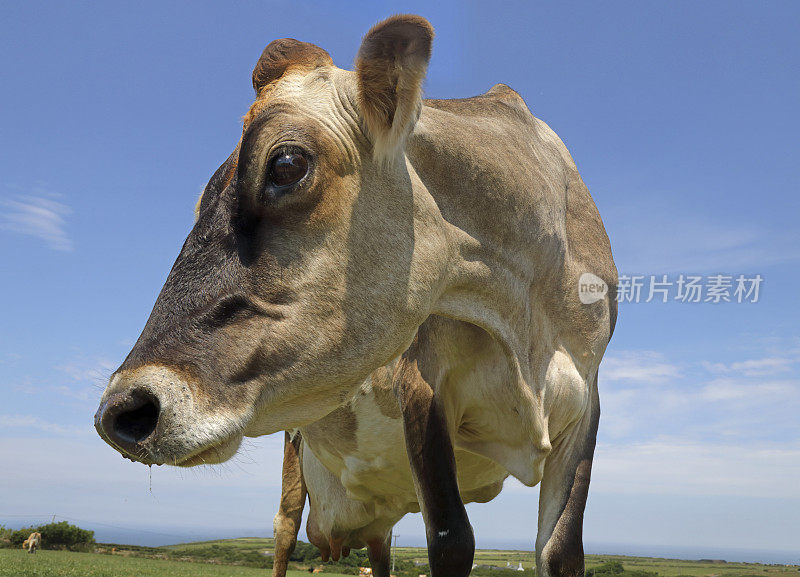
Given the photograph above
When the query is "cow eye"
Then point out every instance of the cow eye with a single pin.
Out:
(287, 168)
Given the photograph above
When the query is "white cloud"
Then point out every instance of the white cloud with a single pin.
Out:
(89, 378)
(37, 215)
(86, 394)
(26, 423)
(673, 465)
(98, 370)
(754, 367)
(639, 366)
(643, 395)
(645, 240)
(729, 389)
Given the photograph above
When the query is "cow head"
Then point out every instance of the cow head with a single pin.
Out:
(316, 254)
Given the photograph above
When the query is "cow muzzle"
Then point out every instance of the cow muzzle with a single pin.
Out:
(154, 415)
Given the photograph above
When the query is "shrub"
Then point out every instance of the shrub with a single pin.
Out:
(616, 569)
(62, 535)
(18, 537)
(607, 568)
(5, 536)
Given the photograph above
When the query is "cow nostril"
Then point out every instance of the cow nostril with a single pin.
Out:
(138, 422)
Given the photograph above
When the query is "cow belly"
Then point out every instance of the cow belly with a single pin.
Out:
(390, 485)
(381, 491)
(383, 481)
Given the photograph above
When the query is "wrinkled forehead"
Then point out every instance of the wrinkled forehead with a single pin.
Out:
(324, 98)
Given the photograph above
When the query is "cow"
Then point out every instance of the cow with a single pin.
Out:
(33, 542)
(349, 213)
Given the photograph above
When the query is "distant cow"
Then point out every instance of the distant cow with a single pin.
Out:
(33, 542)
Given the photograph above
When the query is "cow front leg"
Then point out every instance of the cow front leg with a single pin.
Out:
(562, 496)
(293, 498)
(451, 543)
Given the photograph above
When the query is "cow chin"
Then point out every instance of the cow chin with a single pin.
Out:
(154, 415)
(214, 454)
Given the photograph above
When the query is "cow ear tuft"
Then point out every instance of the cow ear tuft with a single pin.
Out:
(391, 66)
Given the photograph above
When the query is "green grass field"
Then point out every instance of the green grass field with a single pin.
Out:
(18, 563)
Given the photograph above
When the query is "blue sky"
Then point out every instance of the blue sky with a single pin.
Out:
(682, 118)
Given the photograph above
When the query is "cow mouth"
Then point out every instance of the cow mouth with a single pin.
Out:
(210, 455)
(213, 454)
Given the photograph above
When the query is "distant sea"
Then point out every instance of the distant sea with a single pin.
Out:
(171, 536)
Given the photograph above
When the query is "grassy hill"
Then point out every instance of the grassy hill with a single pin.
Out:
(227, 557)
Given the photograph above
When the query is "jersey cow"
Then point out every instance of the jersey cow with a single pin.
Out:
(349, 213)
(33, 542)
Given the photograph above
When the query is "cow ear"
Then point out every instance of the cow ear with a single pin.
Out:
(280, 55)
(390, 67)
